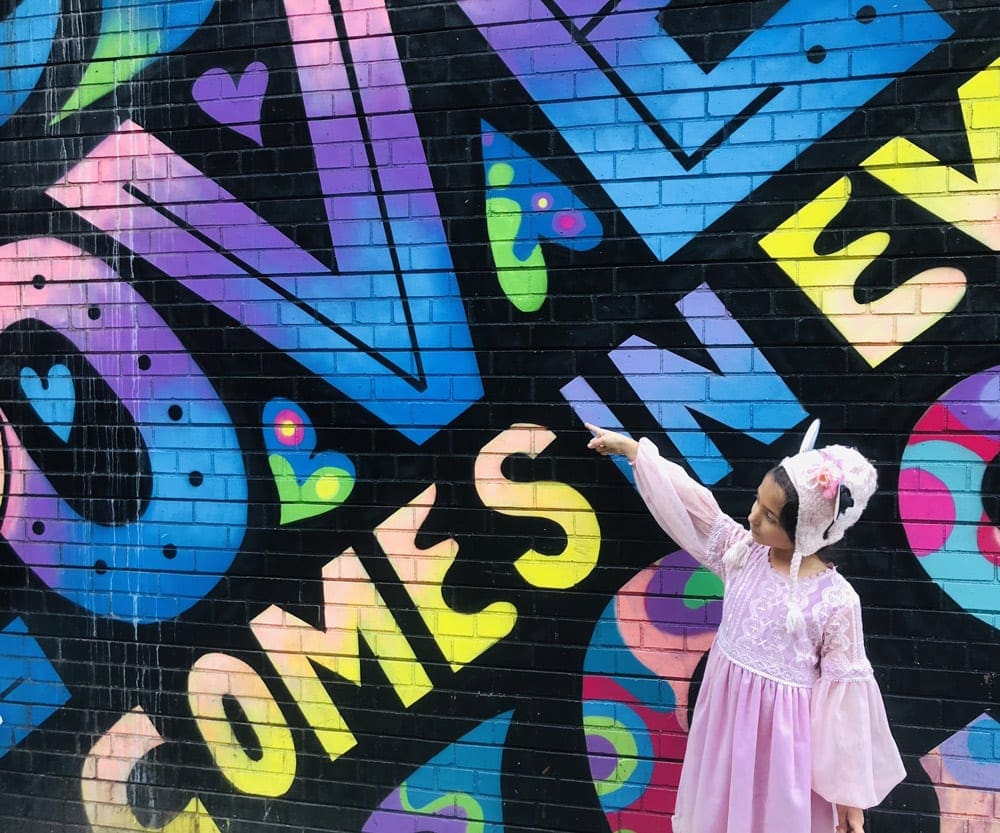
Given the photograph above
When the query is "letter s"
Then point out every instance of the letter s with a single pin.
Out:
(556, 502)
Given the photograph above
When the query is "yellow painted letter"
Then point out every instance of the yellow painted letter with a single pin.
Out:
(104, 781)
(556, 502)
(217, 676)
(352, 608)
(971, 205)
(876, 330)
(461, 636)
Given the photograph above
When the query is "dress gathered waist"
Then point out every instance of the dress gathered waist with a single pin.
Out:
(747, 667)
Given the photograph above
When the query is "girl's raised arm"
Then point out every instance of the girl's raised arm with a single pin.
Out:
(684, 508)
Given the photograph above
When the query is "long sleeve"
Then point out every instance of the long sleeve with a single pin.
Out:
(855, 760)
(686, 510)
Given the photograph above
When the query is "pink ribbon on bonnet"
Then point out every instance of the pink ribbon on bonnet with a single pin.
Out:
(826, 476)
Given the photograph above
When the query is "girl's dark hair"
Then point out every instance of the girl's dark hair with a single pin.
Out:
(789, 515)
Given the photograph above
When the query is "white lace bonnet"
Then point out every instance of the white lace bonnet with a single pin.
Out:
(834, 485)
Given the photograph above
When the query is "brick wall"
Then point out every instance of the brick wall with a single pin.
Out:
(303, 304)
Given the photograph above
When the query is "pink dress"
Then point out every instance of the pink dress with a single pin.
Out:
(786, 726)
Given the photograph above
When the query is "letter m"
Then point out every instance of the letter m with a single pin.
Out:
(353, 609)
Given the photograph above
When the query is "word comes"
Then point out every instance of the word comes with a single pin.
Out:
(354, 609)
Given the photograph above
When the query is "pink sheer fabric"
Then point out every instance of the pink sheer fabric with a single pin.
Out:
(786, 725)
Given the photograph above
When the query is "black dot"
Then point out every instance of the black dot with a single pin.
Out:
(175, 412)
(866, 14)
(170, 551)
(145, 362)
(38, 528)
(94, 313)
(196, 478)
(38, 281)
(816, 54)
(100, 566)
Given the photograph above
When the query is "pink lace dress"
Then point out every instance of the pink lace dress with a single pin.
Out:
(786, 726)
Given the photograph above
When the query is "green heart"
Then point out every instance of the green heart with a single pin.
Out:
(326, 489)
(702, 587)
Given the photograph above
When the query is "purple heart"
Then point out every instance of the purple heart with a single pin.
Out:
(234, 103)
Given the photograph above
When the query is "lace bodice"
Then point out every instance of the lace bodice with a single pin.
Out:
(753, 632)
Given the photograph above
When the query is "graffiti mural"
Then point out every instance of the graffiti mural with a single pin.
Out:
(636, 692)
(303, 307)
(965, 768)
(945, 498)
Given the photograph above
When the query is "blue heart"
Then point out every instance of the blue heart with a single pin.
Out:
(53, 398)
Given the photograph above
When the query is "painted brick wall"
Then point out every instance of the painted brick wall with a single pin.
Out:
(303, 304)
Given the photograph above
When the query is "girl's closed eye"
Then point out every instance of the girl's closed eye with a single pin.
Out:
(767, 512)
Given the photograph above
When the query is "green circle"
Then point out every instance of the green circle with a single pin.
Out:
(500, 175)
(622, 741)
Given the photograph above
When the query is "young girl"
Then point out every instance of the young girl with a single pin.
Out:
(789, 723)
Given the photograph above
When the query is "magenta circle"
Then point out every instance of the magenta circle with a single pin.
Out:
(568, 223)
(290, 418)
(927, 510)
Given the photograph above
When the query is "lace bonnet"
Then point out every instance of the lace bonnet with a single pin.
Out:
(834, 485)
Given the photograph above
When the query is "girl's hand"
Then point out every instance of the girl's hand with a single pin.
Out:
(850, 819)
(611, 442)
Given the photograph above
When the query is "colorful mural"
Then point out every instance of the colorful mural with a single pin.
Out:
(964, 770)
(303, 307)
(636, 692)
(945, 497)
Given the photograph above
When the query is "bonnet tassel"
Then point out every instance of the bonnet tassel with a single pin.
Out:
(794, 620)
(736, 555)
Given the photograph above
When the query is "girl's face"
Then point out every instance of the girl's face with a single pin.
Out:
(765, 514)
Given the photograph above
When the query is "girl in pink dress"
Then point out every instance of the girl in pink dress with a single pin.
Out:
(790, 733)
